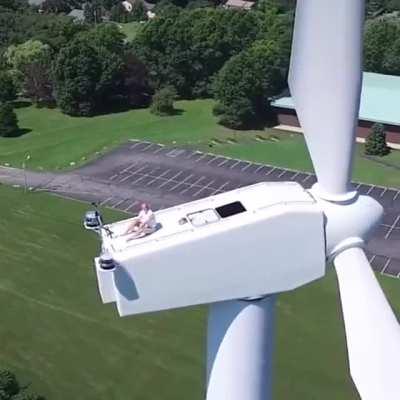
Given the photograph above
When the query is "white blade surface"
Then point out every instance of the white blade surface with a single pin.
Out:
(372, 330)
(325, 83)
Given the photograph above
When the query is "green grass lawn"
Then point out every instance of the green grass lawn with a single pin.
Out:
(56, 141)
(55, 333)
(130, 29)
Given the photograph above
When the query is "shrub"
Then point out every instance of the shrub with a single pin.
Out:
(7, 88)
(163, 102)
(375, 144)
(8, 120)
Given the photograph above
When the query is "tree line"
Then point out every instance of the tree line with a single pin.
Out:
(192, 49)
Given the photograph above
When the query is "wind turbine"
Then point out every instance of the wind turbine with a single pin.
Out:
(255, 242)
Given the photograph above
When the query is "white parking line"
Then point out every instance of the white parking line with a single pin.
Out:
(193, 184)
(220, 188)
(133, 173)
(131, 205)
(223, 162)
(159, 149)
(128, 168)
(119, 202)
(192, 154)
(270, 171)
(282, 173)
(147, 147)
(210, 161)
(113, 177)
(245, 167)
(386, 265)
(259, 168)
(384, 191)
(201, 158)
(397, 195)
(158, 177)
(295, 175)
(105, 201)
(306, 178)
(180, 183)
(171, 179)
(234, 164)
(370, 189)
(392, 227)
(203, 188)
(134, 145)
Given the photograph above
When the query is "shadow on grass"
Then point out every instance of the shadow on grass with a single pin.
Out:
(18, 133)
(21, 103)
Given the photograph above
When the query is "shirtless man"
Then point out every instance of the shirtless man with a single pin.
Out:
(145, 220)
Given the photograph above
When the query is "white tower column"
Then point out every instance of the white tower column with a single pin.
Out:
(240, 345)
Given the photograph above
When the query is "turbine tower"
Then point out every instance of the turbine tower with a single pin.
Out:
(238, 250)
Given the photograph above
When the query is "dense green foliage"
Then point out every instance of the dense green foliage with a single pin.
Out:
(163, 102)
(85, 77)
(381, 38)
(188, 48)
(7, 87)
(51, 29)
(245, 84)
(11, 389)
(375, 144)
(8, 121)
(94, 71)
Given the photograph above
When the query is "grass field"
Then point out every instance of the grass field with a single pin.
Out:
(55, 333)
(56, 141)
(130, 29)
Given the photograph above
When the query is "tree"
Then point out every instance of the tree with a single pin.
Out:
(11, 389)
(56, 6)
(186, 49)
(391, 62)
(375, 144)
(87, 76)
(245, 84)
(8, 124)
(77, 71)
(20, 56)
(375, 7)
(93, 11)
(136, 88)
(378, 34)
(7, 88)
(38, 85)
(108, 36)
(163, 102)
(139, 12)
(119, 13)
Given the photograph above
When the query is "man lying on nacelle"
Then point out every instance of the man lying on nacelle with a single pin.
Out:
(143, 224)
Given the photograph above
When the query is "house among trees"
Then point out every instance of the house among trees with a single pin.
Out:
(77, 15)
(380, 101)
(239, 4)
(129, 5)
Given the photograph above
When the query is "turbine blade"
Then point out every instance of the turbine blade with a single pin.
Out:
(372, 330)
(325, 83)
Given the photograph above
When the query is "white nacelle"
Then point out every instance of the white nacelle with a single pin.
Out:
(261, 239)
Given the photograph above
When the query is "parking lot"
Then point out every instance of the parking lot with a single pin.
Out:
(167, 176)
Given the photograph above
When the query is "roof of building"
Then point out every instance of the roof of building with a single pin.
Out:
(380, 99)
(246, 5)
(77, 14)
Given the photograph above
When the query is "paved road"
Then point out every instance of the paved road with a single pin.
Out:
(142, 171)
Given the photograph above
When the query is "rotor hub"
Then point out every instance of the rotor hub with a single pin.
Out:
(348, 223)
